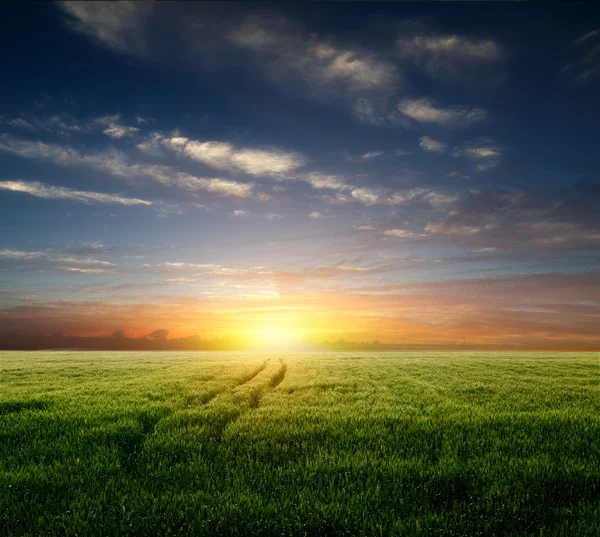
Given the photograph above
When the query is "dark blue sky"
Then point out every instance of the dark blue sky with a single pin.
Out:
(293, 157)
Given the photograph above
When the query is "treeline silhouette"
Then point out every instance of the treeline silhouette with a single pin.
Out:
(159, 340)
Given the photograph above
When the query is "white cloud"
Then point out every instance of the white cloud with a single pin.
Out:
(240, 212)
(48, 260)
(119, 131)
(225, 156)
(584, 58)
(323, 70)
(371, 155)
(86, 270)
(322, 65)
(454, 46)
(21, 124)
(316, 214)
(482, 152)
(403, 233)
(116, 25)
(365, 195)
(40, 190)
(425, 110)
(454, 58)
(152, 145)
(439, 199)
(341, 268)
(450, 229)
(113, 128)
(487, 156)
(116, 164)
(486, 250)
(320, 181)
(432, 146)
(39, 150)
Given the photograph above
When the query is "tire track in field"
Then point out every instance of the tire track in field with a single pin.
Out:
(212, 413)
(255, 395)
(247, 378)
(132, 446)
(278, 377)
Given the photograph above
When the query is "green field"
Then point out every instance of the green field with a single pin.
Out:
(406, 443)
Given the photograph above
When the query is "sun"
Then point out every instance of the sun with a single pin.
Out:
(277, 337)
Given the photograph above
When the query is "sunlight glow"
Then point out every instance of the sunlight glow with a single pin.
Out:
(277, 337)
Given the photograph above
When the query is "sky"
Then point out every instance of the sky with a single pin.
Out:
(400, 172)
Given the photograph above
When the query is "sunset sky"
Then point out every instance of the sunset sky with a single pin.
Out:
(408, 172)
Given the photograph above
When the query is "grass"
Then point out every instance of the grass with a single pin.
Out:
(309, 444)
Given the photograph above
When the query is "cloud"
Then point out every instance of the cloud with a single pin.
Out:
(321, 181)
(116, 164)
(225, 156)
(116, 25)
(424, 110)
(113, 129)
(365, 195)
(86, 270)
(53, 260)
(320, 64)
(119, 131)
(584, 58)
(450, 57)
(316, 214)
(432, 146)
(40, 190)
(39, 150)
(451, 229)
(371, 155)
(486, 154)
(324, 70)
(240, 212)
(66, 124)
(520, 223)
(403, 233)
(439, 199)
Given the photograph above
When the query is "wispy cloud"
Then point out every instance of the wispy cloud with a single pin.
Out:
(584, 55)
(116, 163)
(41, 190)
(324, 70)
(425, 110)
(432, 146)
(116, 25)
(225, 156)
(114, 129)
(322, 181)
(86, 270)
(370, 155)
(44, 260)
(403, 233)
(483, 151)
(449, 57)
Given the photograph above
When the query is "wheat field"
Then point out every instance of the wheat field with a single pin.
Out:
(402, 443)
